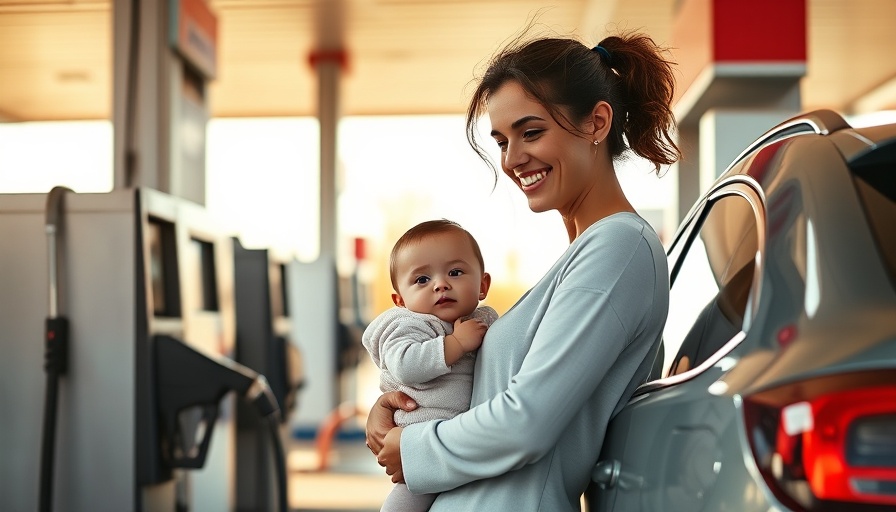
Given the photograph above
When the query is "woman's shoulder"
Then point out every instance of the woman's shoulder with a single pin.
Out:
(624, 223)
(618, 232)
(614, 244)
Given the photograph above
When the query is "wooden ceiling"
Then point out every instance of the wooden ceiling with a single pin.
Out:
(405, 56)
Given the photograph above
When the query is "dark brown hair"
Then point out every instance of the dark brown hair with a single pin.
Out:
(424, 230)
(569, 78)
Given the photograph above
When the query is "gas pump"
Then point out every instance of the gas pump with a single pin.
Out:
(144, 413)
(146, 417)
(263, 343)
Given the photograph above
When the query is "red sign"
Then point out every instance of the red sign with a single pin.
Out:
(759, 31)
(194, 34)
(710, 32)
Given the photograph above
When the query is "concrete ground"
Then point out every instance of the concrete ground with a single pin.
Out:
(351, 482)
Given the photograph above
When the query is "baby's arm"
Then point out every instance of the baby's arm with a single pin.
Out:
(467, 337)
(412, 350)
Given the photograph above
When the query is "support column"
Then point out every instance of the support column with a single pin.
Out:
(740, 65)
(329, 60)
(724, 134)
(163, 57)
(316, 312)
(139, 66)
(328, 66)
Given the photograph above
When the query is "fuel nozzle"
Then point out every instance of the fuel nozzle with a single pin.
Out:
(190, 385)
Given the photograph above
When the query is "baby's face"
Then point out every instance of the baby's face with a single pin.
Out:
(441, 276)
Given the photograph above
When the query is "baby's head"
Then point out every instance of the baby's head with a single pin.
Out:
(437, 268)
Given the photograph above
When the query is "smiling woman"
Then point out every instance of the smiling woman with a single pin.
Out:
(579, 342)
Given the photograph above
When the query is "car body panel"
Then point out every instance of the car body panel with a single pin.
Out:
(821, 302)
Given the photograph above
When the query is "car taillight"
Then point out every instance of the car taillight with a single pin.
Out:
(828, 443)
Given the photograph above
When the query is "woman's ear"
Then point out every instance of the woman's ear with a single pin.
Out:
(601, 120)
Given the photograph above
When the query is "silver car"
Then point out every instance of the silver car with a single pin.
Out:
(776, 385)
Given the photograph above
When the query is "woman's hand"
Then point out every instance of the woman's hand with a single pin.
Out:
(380, 419)
(390, 456)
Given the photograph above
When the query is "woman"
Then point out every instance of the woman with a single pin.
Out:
(555, 368)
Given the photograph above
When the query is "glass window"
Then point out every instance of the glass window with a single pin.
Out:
(708, 298)
(875, 179)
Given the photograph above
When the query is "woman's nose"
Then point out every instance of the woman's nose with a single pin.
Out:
(514, 156)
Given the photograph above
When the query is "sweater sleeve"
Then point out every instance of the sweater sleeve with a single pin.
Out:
(579, 338)
(411, 348)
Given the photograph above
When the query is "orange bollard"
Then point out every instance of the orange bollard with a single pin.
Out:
(328, 429)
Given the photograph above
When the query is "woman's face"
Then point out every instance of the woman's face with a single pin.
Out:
(553, 167)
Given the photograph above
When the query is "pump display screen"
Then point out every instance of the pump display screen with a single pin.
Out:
(279, 305)
(156, 268)
(202, 274)
(163, 268)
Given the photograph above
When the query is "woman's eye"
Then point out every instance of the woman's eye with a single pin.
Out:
(455, 272)
(421, 280)
(528, 134)
(502, 144)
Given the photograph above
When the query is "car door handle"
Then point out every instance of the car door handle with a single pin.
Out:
(608, 474)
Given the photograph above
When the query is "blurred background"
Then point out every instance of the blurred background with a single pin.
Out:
(326, 128)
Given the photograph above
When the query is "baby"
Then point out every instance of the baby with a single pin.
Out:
(425, 346)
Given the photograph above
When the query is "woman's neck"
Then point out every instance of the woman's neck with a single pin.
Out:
(605, 198)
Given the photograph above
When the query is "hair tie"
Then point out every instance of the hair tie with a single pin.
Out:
(604, 54)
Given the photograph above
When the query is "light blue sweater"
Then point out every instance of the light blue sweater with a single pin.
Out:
(549, 375)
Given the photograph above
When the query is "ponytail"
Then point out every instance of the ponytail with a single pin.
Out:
(643, 93)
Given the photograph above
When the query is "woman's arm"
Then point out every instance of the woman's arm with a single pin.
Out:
(575, 347)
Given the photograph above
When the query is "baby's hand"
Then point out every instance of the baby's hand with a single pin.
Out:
(469, 333)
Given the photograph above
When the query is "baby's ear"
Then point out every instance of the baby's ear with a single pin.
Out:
(396, 298)
(484, 285)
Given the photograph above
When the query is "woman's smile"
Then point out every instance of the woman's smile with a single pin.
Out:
(528, 181)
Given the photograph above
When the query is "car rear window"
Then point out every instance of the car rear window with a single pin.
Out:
(875, 177)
